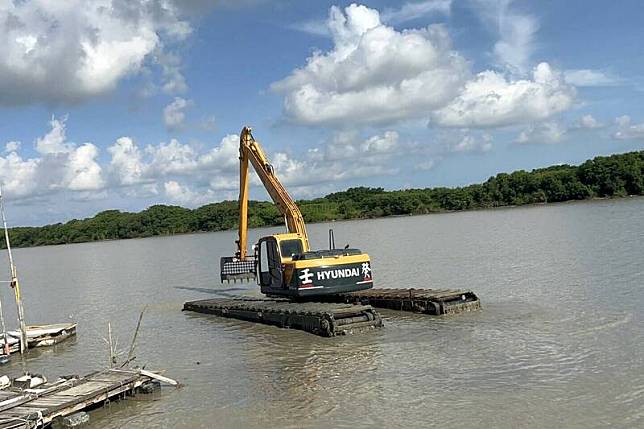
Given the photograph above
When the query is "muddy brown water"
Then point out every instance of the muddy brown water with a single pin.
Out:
(559, 342)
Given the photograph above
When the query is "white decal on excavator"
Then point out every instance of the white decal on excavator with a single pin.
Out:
(366, 270)
(338, 274)
(306, 276)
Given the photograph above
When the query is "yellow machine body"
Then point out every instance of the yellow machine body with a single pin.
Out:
(284, 264)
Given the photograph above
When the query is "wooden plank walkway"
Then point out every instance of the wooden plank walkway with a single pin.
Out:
(37, 408)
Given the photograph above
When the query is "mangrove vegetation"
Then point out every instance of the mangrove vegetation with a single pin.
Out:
(611, 176)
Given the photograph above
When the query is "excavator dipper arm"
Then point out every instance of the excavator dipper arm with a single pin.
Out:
(251, 151)
(241, 266)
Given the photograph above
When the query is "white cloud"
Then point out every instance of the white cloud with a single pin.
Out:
(381, 144)
(173, 81)
(83, 172)
(68, 51)
(61, 166)
(316, 27)
(347, 145)
(590, 78)
(224, 157)
(628, 131)
(126, 164)
(549, 132)
(202, 7)
(208, 123)
(544, 133)
(375, 74)
(186, 174)
(228, 183)
(623, 121)
(345, 157)
(183, 195)
(469, 143)
(588, 121)
(516, 44)
(425, 165)
(18, 175)
(515, 30)
(174, 190)
(407, 12)
(490, 100)
(171, 158)
(12, 146)
(297, 173)
(54, 140)
(415, 10)
(130, 166)
(174, 114)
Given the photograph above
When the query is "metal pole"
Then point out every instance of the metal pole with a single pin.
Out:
(14, 281)
(4, 332)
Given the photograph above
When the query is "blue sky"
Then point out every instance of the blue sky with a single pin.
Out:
(124, 104)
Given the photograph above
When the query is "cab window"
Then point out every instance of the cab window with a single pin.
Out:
(289, 248)
(263, 257)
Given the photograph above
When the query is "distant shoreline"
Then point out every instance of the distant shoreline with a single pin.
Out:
(613, 177)
(508, 207)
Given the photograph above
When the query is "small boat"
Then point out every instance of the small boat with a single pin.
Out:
(12, 343)
(44, 335)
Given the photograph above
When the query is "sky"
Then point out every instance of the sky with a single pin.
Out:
(122, 104)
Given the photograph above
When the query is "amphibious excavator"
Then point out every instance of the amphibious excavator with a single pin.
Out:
(284, 264)
(326, 292)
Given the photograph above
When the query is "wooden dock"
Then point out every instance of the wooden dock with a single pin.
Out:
(39, 407)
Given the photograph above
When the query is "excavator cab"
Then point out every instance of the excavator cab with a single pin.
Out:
(269, 264)
(272, 255)
(284, 269)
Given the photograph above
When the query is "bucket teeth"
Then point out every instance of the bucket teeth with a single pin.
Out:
(232, 269)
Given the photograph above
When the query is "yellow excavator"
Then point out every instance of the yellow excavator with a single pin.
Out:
(283, 264)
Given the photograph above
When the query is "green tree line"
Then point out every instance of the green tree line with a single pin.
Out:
(611, 176)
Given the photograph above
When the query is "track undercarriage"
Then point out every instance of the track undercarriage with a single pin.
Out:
(436, 302)
(324, 319)
(339, 314)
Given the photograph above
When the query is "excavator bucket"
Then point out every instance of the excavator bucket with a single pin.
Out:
(234, 269)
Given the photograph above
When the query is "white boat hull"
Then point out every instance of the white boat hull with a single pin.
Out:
(40, 335)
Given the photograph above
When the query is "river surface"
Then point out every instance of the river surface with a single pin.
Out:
(559, 341)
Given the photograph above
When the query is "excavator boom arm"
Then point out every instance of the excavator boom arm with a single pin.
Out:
(251, 152)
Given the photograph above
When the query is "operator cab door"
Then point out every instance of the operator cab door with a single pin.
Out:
(270, 264)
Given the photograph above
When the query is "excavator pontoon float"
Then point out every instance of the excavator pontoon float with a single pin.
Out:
(326, 292)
